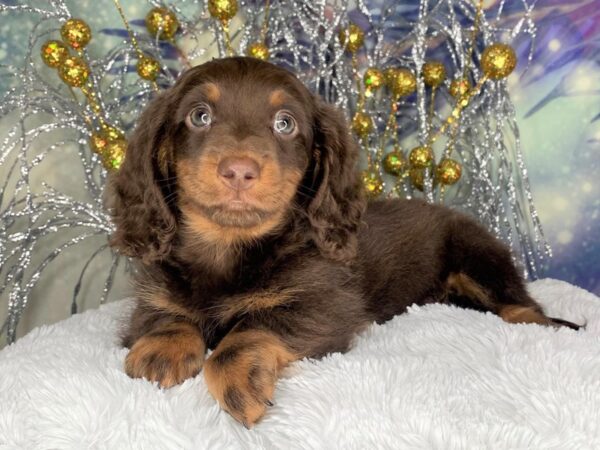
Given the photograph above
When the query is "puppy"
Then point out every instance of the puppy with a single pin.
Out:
(241, 201)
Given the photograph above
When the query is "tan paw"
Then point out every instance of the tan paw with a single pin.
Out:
(242, 372)
(169, 354)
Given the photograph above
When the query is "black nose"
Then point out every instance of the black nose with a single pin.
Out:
(238, 173)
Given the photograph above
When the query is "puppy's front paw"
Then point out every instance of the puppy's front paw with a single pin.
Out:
(169, 354)
(242, 372)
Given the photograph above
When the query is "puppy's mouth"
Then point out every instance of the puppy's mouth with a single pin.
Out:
(235, 213)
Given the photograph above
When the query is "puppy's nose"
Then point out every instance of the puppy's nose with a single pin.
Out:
(238, 173)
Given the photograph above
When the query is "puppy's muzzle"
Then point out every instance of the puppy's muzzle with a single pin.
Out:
(238, 173)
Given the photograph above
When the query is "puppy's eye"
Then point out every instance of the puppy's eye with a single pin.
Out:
(284, 123)
(199, 117)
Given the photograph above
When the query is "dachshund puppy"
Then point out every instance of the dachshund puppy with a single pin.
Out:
(241, 201)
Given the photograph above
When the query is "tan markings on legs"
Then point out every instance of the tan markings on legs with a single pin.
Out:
(169, 354)
(160, 301)
(242, 372)
(254, 302)
(465, 286)
(523, 314)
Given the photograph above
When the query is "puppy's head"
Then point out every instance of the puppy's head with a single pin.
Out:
(230, 154)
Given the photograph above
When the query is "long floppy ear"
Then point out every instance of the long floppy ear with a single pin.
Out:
(145, 224)
(336, 209)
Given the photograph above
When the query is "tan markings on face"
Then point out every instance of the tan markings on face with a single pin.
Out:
(523, 314)
(199, 183)
(255, 302)
(277, 97)
(242, 371)
(169, 354)
(212, 92)
(464, 285)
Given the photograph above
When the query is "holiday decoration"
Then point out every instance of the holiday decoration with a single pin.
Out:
(434, 73)
(74, 71)
(76, 33)
(498, 61)
(54, 53)
(423, 89)
(258, 50)
(162, 22)
(148, 68)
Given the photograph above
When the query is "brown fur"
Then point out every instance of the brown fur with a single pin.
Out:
(242, 372)
(292, 266)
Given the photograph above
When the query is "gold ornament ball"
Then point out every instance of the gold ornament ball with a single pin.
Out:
(163, 21)
(74, 71)
(417, 178)
(498, 61)
(100, 140)
(434, 73)
(76, 33)
(148, 68)
(372, 182)
(402, 82)
(448, 171)
(114, 154)
(352, 38)
(362, 124)
(373, 78)
(394, 163)
(421, 157)
(223, 10)
(459, 87)
(258, 50)
(54, 53)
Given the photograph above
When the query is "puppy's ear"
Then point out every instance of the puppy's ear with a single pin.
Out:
(145, 223)
(336, 209)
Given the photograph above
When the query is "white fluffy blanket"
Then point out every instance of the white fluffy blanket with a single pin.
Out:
(438, 377)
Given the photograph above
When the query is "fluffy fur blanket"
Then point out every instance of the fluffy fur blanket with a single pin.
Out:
(437, 377)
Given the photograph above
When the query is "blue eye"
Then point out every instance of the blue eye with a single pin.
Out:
(284, 123)
(199, 117)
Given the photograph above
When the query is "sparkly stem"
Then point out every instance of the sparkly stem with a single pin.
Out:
(132, 38)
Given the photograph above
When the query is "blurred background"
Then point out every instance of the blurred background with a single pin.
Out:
(558, 105)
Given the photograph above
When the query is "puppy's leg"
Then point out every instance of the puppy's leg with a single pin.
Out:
(164, 347)
(483, 276)
(242, 371)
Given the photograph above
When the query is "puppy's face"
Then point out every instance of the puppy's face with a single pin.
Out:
(243, 145)
(229, 154)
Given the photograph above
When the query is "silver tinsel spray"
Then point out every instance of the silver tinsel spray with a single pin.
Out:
(303, 36)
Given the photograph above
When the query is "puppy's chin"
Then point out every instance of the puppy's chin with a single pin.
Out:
(236, 214)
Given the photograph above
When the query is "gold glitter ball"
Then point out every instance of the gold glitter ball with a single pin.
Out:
(498, 61)
(434, 73)
(417, 178)
(163, 21)
(223, 10)
(394, 163)
(421, 157)
(148, 68)
(402, 82)
(74, 71)
(258, 50)
(448, 171)
(100, 140)
(76, 33)
(459, 87)
(372, 182)
(362, 124)
(352, 38)
(114, 154)
(373, 78)
(54, 53)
